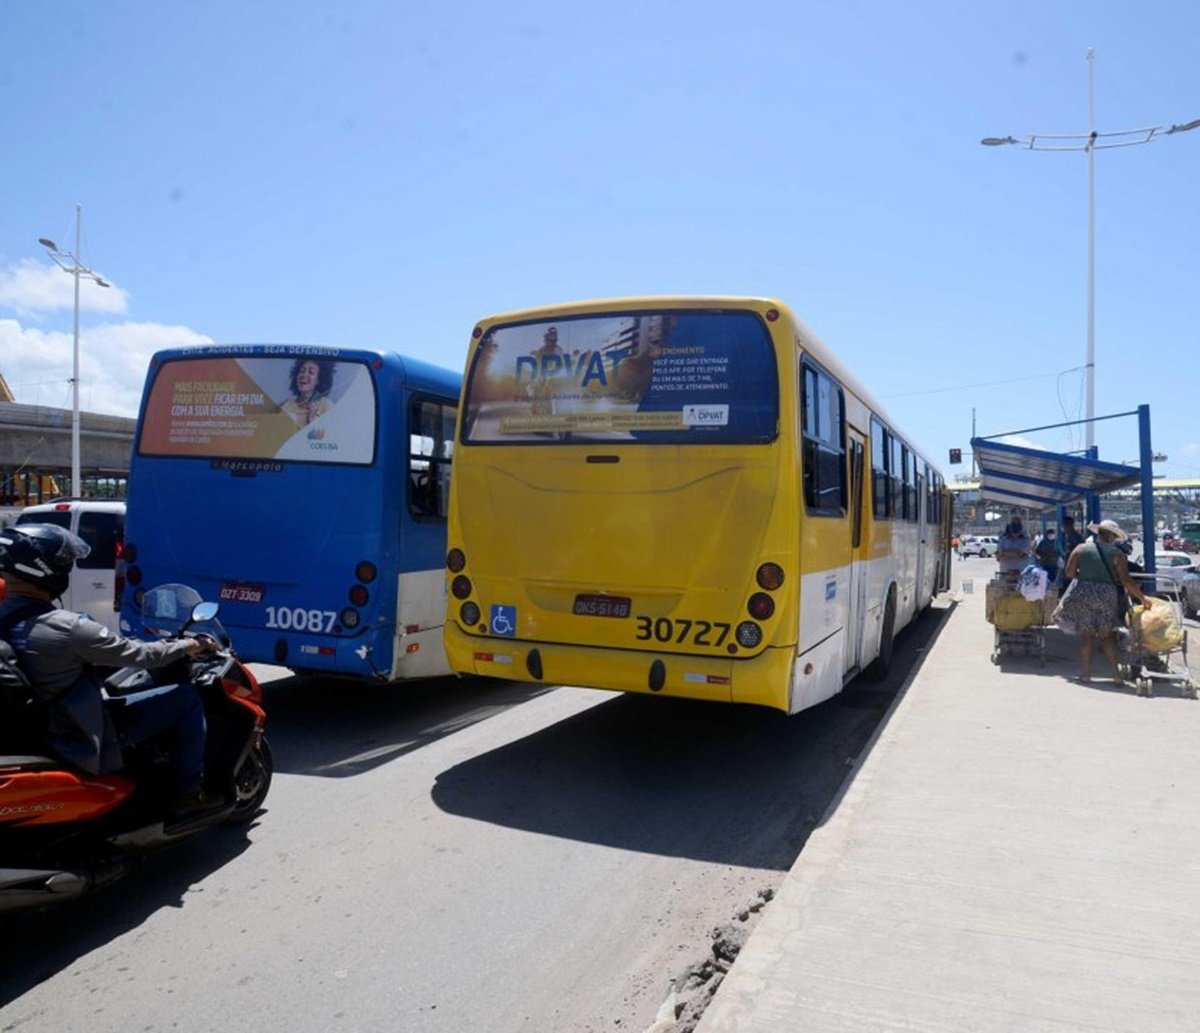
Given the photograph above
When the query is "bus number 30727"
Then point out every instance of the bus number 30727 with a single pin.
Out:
(698, 633)
(298, 619)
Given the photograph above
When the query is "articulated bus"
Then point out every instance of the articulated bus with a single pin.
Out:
(684, 496)
(305, 489)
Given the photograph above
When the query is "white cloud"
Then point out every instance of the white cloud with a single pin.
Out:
(30, 287)
(113, 359)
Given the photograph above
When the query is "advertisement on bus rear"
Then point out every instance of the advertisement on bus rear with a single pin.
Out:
(297, 408)
(666, 377)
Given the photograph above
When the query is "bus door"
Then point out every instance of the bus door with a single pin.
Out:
(856, 442)
(923, 532)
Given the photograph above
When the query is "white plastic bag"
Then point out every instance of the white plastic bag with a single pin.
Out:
(1032, 583)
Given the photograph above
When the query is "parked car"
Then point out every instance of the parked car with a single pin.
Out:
(97, 580)
(1175, 562)
(1185, 568)
(979, 545)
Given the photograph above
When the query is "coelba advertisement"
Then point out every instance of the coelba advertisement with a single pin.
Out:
(284, 408)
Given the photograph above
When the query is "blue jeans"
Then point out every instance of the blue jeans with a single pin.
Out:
(176, 710)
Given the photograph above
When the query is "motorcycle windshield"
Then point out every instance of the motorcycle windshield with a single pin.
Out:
(167, 609)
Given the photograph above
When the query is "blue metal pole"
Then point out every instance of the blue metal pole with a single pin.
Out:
(1147, 464)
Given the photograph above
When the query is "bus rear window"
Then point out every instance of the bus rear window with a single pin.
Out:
(296, 407)
(669, 377)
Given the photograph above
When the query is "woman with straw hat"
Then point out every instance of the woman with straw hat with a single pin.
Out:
(1099, 572)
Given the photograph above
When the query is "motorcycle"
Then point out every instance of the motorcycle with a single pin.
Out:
(64, 832)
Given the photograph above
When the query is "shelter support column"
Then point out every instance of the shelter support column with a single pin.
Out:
(1146, 459)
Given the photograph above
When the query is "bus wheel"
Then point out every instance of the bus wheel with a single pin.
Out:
(882, 664)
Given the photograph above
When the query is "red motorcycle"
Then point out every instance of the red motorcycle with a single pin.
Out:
(64, 832)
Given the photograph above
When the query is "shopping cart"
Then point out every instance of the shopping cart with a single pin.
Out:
(1019, 623)
(1155, 648)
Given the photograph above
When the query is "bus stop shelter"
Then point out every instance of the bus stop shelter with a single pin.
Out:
(1032, 478)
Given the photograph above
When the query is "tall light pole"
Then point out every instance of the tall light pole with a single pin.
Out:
(76, 269)
(1091, 141)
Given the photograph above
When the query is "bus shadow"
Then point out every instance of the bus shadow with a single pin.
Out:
(37, 945)
(734, 785)
(336, 729)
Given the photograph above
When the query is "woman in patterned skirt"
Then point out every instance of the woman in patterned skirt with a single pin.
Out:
(1097, 568)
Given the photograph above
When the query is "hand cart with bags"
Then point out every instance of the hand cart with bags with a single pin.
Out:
(1019, 610)
(1156, 644)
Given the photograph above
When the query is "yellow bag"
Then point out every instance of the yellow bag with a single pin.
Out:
(1157, 626)
(1013, 612)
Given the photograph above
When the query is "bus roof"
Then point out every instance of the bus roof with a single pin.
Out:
(810, 342)
(414, 373)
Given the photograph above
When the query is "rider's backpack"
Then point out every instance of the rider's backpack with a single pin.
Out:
(15, 688)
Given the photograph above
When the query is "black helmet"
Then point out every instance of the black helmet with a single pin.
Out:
(42, 554)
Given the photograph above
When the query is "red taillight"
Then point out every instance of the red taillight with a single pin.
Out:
(456, 560)
(366, 572)
(62, 507)
(769, 576)
(359, 595)
(772, 315)
(129, 552)
(761, 606)
(461, 586)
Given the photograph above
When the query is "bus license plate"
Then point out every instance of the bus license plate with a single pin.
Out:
(234, 592)
(602, 606)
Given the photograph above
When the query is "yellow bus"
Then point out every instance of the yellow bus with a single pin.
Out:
(687, 496)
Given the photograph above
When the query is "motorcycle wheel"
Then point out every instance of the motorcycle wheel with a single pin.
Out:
(251, 783)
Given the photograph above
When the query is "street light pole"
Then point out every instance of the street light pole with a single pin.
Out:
(75, 269)
(1090, 142)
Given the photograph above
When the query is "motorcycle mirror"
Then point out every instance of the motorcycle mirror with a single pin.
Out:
(202, 612)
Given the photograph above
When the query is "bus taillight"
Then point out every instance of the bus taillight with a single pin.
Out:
(761, 606)
(769, 576)
(461, 586)
(456, 560)
(359, 595)
(749, 634)
(366, 572)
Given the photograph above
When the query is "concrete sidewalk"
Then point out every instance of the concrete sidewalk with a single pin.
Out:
(1017, 852)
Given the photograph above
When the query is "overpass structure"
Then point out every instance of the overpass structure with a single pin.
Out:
(35, 453)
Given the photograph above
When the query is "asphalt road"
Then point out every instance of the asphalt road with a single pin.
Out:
(453, 856)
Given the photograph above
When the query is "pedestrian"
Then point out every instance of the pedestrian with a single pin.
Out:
(1098, 572)
(1013, 551)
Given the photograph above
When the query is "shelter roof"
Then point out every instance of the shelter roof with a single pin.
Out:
(1031, 478)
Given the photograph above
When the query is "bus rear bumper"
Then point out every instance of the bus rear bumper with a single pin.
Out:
(762, 680)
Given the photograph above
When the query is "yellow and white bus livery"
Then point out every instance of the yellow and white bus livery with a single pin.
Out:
(687, 496)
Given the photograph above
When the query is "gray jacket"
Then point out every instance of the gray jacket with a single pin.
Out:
(58, 656)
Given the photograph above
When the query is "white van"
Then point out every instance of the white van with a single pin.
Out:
(98, 580)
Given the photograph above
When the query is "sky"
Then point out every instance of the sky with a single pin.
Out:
(365, 173)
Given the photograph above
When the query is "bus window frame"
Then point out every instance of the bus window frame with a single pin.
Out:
(435, 464)
(814, 439)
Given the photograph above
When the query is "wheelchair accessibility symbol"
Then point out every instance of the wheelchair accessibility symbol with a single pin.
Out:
(503, 621)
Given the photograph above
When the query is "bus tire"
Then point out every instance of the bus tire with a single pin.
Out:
(882, 664)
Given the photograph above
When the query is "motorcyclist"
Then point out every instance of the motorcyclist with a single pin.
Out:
(59, 652)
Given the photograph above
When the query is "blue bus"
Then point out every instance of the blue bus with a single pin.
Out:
(305, 489)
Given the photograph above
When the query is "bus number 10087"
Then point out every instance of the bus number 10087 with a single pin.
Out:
(287, 618)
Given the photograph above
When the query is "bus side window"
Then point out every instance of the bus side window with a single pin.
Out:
(430, 450)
